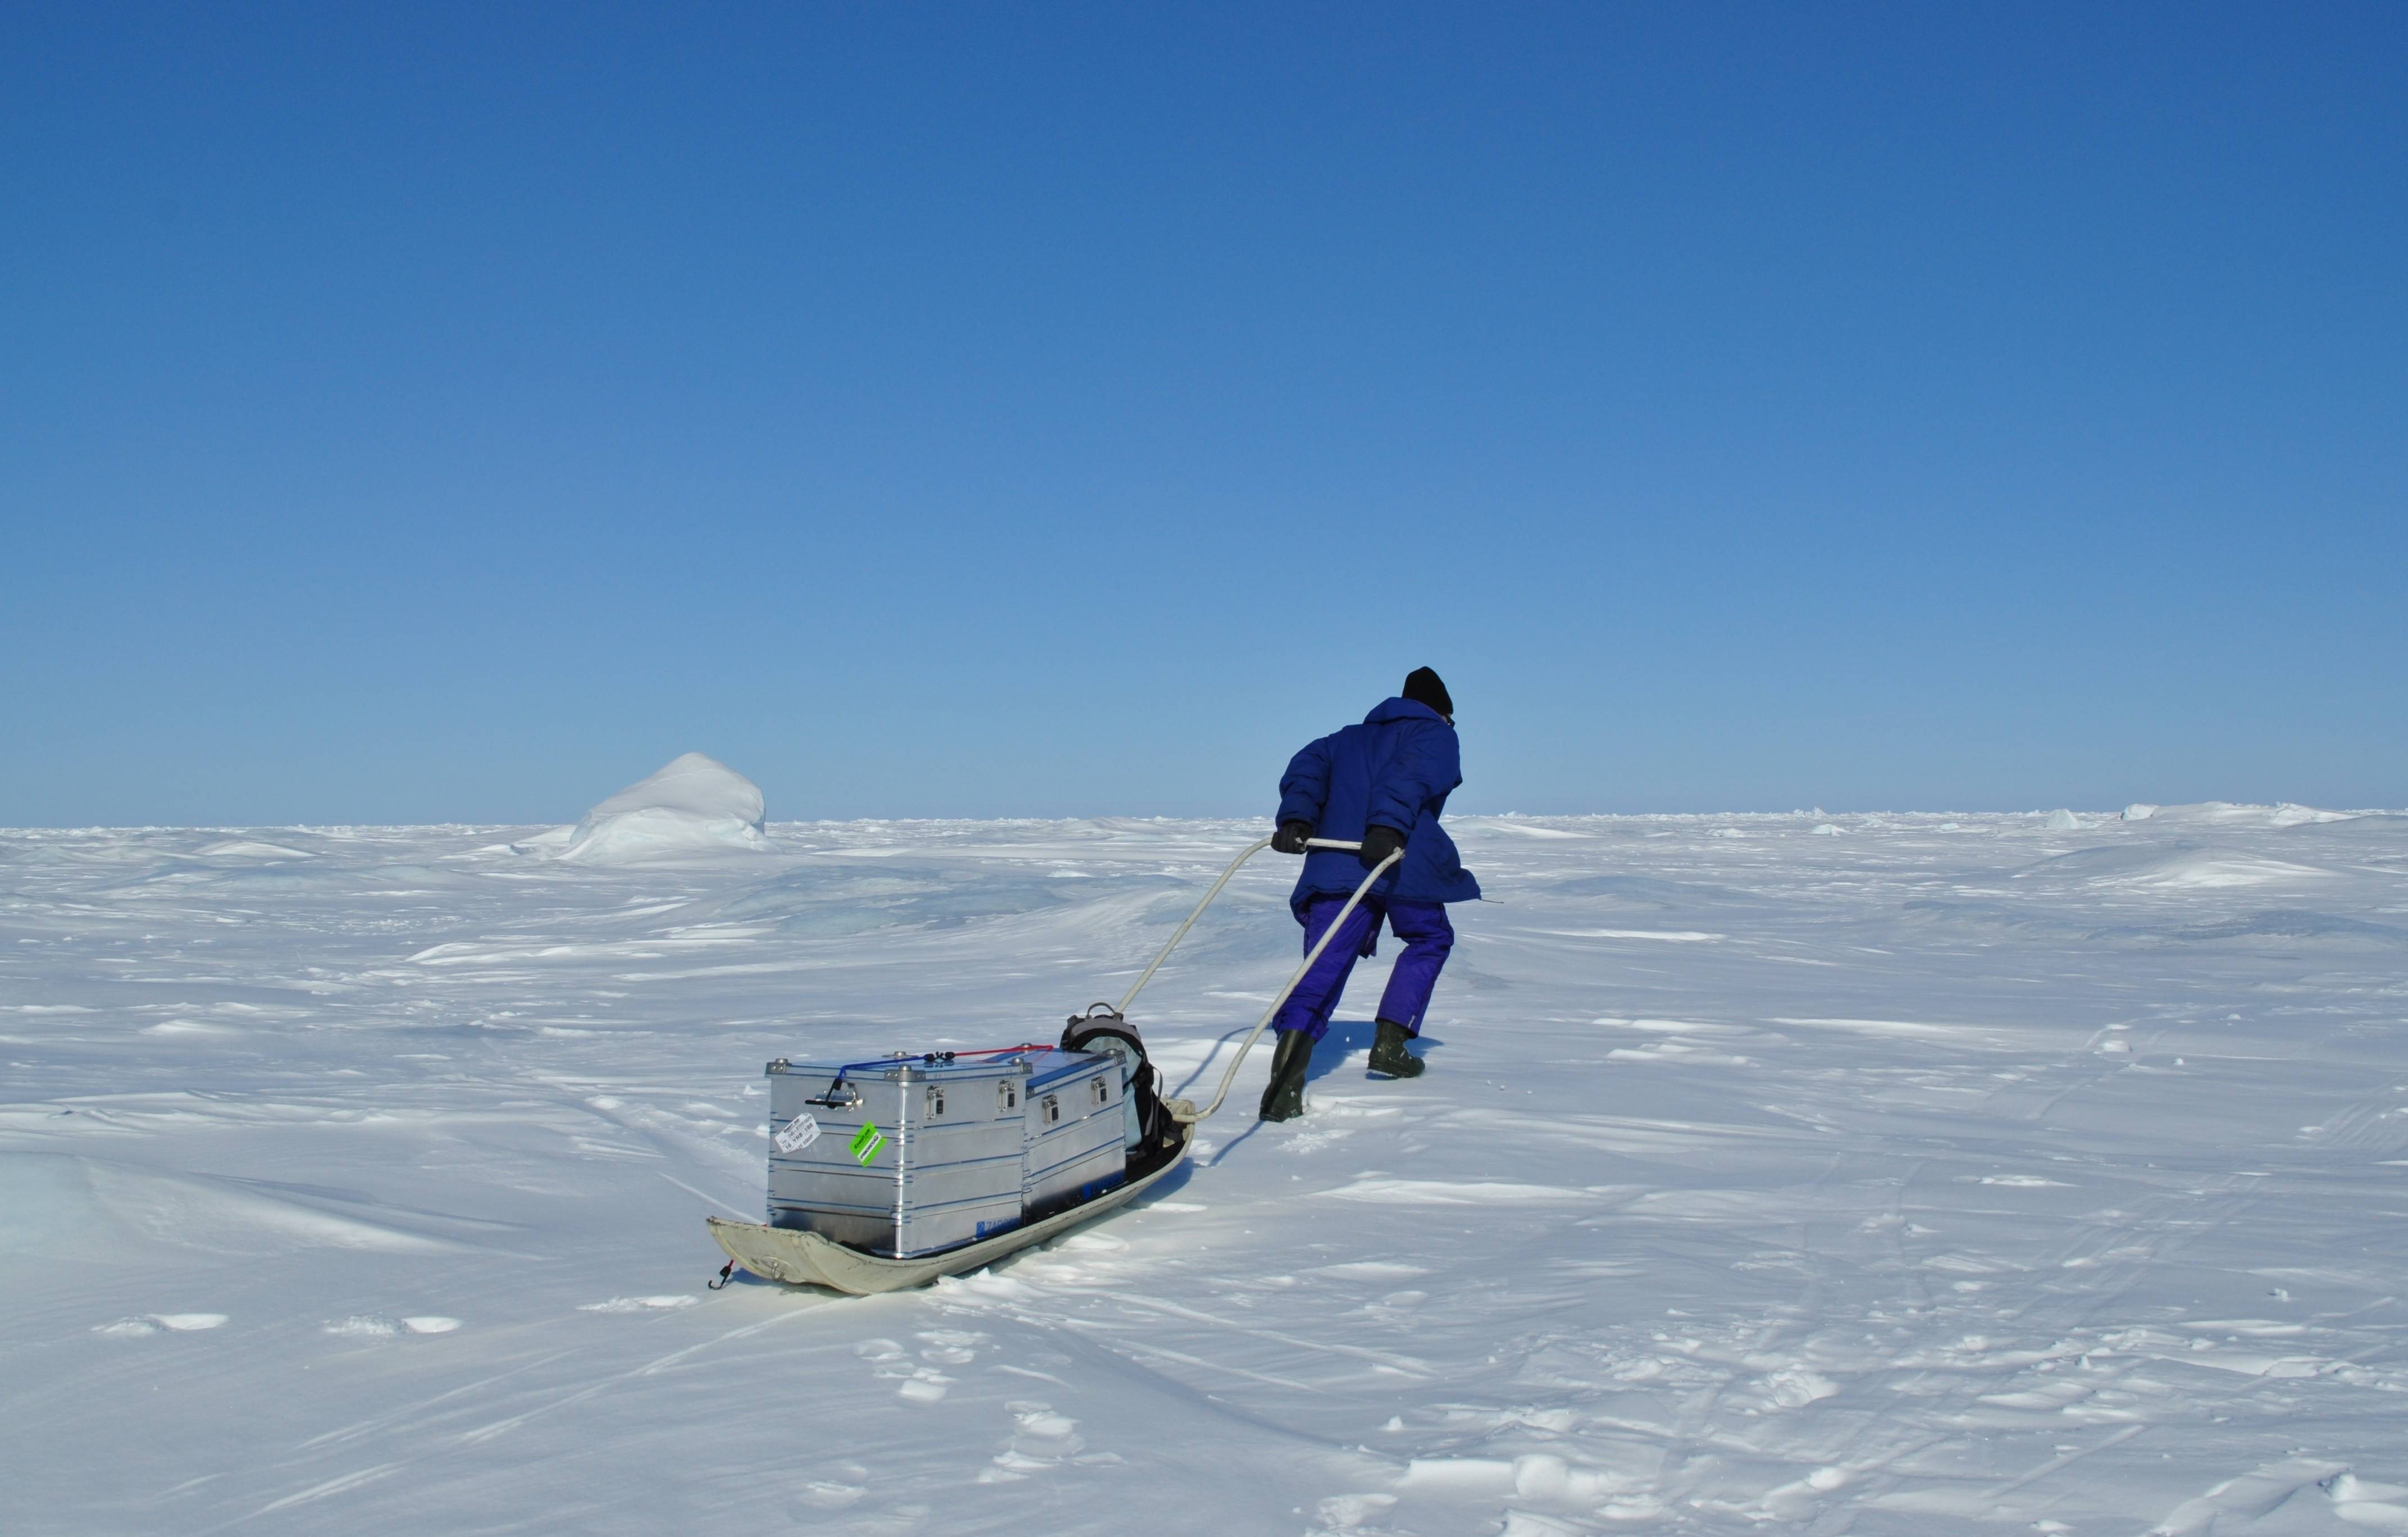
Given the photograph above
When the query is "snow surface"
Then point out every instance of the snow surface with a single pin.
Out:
(1952, 1175)
(693, 805)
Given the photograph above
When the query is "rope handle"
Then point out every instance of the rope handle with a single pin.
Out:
(1250, 850)
(1310, 956)
(1147, 975)
(1192, 1114)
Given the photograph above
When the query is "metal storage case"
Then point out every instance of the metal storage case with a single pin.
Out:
(1076, 1131)
(916, 1155)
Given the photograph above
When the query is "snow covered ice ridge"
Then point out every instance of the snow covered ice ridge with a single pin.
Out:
(692, 807)
(1937, 1174)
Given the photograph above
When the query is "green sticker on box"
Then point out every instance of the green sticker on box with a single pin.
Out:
(865, 1144)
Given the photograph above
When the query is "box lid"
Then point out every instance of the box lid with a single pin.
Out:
(918, 1068)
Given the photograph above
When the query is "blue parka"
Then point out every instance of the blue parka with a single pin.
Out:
(1395, 769)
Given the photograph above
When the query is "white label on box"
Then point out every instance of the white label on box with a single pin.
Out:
(800, 1133)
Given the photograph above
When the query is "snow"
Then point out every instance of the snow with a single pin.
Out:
(1958, 1174)
(693, 805)
(2173, 864)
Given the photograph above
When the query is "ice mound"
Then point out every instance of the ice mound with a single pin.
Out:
(2062, 820)
(2140, 811)
(2178, 867)
(2212, 870)
(695, 805)
(244, 848)
(2226, 813)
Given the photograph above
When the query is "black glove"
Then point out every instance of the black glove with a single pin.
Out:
(1290, 836)
(1379, 842)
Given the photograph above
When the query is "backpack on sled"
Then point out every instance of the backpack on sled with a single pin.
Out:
(1153, 1134)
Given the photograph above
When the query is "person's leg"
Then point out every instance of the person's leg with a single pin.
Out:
(1427, 938)
(1304, 1018)
(1309, 1009)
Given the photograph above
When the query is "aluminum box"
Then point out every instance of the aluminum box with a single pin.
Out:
(913, 1155)
(1077, 1130)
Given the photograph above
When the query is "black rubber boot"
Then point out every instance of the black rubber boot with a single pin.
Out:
(1283, 1100)
(1388, 1053)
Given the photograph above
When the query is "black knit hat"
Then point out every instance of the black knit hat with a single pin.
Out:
(1422, 686)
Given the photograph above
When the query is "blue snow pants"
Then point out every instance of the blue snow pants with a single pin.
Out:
(1427, 938)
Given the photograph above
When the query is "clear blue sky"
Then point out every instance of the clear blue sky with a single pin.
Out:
(415, 414)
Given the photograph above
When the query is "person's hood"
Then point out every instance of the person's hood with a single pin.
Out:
(1401, 708)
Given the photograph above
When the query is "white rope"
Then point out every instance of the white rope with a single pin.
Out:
(1251, 849)
(1313, 955)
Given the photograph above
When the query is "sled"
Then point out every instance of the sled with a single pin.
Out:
(802, 1258)
(806, 1259)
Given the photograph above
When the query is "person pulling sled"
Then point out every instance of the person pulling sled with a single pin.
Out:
(1382, 782)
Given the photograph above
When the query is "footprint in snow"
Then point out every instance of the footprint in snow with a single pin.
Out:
(374, 1326)
(1794, 1387)
(1343, 1512)
(1041, 1439)
(920, 1385)
(1035, 1418)
(160, 1323)
(840, 1485)
(924, 1385)
(950, 1346)
(639, 1304)
(829, 1495)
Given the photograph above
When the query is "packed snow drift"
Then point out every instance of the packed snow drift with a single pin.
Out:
(1939, 1174)
(692, 804)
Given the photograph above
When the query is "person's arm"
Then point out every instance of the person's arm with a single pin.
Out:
(1426, 766)
(1304, 789)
